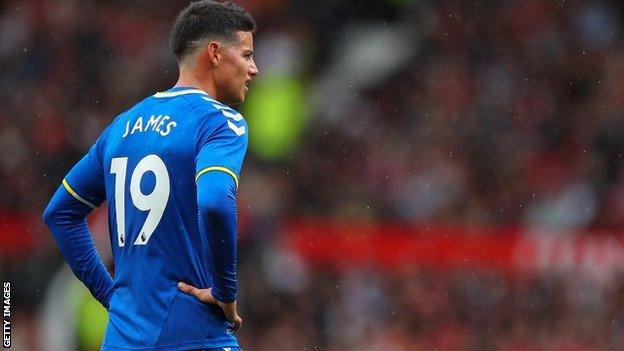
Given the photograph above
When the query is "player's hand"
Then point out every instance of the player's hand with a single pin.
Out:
(205, 296)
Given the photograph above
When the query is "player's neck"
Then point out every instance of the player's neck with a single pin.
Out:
(190, 81)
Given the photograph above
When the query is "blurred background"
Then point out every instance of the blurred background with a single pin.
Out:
(421, 175)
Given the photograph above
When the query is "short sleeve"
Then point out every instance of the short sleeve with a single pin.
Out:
(224, 150)
(85, 181)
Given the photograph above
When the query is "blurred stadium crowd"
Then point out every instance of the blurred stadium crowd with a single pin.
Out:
(493, 113)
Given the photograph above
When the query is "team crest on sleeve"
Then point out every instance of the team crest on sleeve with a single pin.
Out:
(231, 115)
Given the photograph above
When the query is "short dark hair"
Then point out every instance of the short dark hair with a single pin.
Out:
(208, 20)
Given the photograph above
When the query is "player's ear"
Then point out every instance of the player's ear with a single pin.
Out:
(212, 54)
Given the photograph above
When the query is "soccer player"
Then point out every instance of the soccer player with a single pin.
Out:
(169, 168)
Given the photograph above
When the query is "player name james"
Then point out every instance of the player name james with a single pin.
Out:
(159, 124)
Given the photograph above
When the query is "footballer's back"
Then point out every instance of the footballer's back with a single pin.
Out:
(151, 156)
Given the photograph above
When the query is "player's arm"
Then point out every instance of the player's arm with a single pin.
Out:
(81, 192)
(218, 166)
(216, 197)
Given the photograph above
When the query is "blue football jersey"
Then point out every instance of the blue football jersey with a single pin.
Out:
(145, 164)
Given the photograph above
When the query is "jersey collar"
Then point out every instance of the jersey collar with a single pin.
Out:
(177, 91)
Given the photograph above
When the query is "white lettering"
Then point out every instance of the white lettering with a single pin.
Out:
(6, 340)
(162, 122)
(127, 129)
(138, 125)
(6, 313)
(170, 125)
(6, 300)
(152, 122)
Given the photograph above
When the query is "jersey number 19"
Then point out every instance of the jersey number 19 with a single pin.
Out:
(154, 202)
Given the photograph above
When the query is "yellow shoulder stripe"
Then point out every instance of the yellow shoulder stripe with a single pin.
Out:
(76, 196)
(218, 168)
